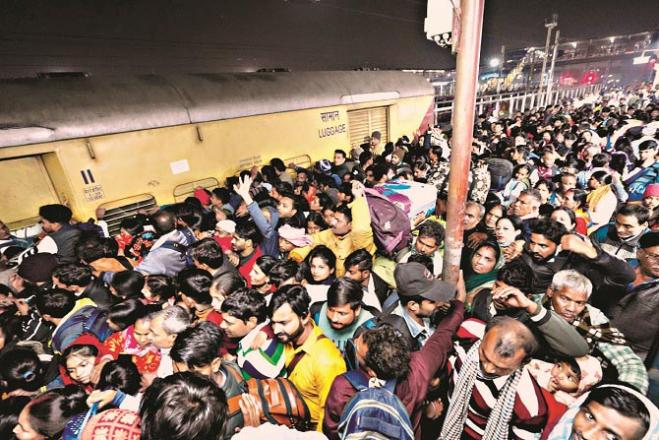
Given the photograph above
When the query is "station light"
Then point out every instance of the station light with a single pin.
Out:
(494, 62)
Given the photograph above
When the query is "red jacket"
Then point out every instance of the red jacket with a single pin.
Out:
(412, 391)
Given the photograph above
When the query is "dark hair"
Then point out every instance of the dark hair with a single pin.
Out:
(79, 350)
(579, 195)
(422, 259)
(516, 274)
(20, 368)
(56, 302)
(600, 160)
(517, 222)
(245, 303)
(318, 219)
(161, 285)
(10, 409)
(198, 346)
(56, 213)
(223, 194)
(183, 406)
(387, 353)
(278, 164)
(121, 375)
(324, 253)
(602, 177)
(128, 284)
(345, 291)
(646, 145)
(50, 411)
(341, 152)
(551, 187)
(132, 225)
(266, 263)
(623, 402)
(641, 213)
(360, 258)
(325, 201)
(345, 210)
(294, 295)
(521, 166)
(73, 274)
(282, 271)
(93, 248)
(125, 313)
(432, 229)
(247, 230)
(228, 282)
(550, 229)
(207, 251)
(195, 283)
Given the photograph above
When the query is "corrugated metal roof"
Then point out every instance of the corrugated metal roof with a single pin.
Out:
(45, 110)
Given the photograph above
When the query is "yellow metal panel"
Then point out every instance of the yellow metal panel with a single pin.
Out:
(24, 187)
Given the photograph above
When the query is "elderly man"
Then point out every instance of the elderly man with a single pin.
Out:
(568, 296)
(493, 396)
(527, 208)
(164, 326)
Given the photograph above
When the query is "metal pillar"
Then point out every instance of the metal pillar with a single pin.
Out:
(463, 128)
(550, 26)
(550, 77)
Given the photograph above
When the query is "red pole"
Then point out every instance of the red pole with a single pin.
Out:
(463, 126)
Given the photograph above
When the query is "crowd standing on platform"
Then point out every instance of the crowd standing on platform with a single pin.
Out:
(295, 303)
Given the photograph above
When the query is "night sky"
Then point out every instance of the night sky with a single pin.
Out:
(149, 36)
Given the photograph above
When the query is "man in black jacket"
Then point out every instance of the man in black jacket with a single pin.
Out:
(359, 265)
(550, 249)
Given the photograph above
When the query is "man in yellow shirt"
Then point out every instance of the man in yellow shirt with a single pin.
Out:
(349, 230)
(312, 360)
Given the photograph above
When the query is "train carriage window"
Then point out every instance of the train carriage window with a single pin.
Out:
(184, 190)
(363, 122)
(128, 207)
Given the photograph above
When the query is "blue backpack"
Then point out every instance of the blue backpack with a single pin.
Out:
(377, 412)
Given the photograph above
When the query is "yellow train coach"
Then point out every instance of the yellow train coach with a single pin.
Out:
(133, 142)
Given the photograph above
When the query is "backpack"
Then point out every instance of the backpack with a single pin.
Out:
(391, 226)
(374, 413)
(281, 402)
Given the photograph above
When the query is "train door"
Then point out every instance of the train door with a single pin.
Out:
(363, 122)
(24, 186)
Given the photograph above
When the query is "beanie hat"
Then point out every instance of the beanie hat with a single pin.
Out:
(652, 190)
(37, 268)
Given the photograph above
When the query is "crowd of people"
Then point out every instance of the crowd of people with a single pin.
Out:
(274, 306)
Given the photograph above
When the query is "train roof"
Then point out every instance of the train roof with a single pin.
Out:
(52, 109)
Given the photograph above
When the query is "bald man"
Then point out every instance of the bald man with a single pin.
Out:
(492, 376)
(168, 254)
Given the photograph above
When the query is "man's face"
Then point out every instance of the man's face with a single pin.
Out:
(540, 248)
(355, 274)
(525, 205)
(158, 336)
(426, 245)
(285, 207)
(595, 421)
(4, 231)
(285, 245)
(423, 310)
(286, 325)
(204, 370)
(567, 302)
(648, 259)
(472, 217)
(339, 159)
(238, 243)
(47, 226)
(343, 316)
(340, 224)
(627, 226)
(302, 177)
(493, 365)
(235, 328)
